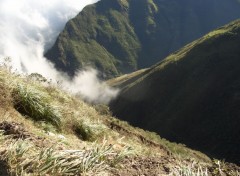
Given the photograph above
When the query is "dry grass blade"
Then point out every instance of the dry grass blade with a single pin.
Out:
(22, 157)
(189, 169)
(33, 103)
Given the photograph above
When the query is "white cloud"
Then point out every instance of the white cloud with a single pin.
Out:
(29, 27)
(87, 85)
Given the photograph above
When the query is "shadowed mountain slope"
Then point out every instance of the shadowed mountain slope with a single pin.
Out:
(47, 131)
(121, 36)
(193, 96)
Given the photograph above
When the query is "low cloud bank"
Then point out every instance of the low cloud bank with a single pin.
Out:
(87, 85)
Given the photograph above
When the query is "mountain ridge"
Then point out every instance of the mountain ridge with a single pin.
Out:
(119, 37)
(191, 97)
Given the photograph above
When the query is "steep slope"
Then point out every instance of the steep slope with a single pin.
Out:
(100, 36)
(121, 36)
(46, 131)
(192, 96)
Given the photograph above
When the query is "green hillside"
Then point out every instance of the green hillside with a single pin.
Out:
(192, 96)
(46, 131)
(121, 36)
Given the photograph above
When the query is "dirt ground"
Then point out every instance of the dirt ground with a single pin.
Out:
(129, 166)
(144, 166)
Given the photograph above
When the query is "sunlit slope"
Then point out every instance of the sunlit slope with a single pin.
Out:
(192, 96)
(121, 36)
(47, 131)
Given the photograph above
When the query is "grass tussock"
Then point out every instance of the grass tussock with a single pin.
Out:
(189, 169)
(89, 132)
(35, 104)
(194, 168)
(24, 159)
(5, 97)
(5, 94)
(45, 103)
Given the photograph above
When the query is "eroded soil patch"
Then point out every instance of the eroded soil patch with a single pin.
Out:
(18, 131)
(15, 129)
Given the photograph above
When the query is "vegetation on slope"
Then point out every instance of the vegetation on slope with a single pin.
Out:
(121, 36)
(192, 96)
(45, 131)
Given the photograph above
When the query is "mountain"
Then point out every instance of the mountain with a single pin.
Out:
(121, 36)
(46, 131)
(192, 96)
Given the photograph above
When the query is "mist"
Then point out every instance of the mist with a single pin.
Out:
(28, 28)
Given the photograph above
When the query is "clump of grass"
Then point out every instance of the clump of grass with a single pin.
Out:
(5, 95)
(33, 103)
(37, 77)
(16, 151)
(23, 159)
(103, 109)
(221, 168)
(191, 169)
(89, 131)
(28, 96)
(84, 132)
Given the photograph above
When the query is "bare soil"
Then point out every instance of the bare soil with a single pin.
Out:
(18, 131)
(144, 166)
